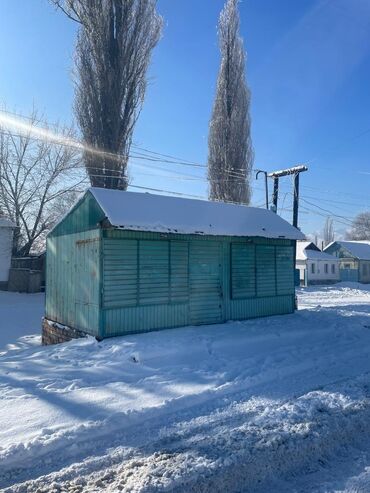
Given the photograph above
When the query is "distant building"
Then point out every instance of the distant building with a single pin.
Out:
(123, 262)
(315, 266)
(27, 274)
(354, 259)
(6, 244)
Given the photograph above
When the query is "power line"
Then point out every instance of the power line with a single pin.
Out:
(347, 220)
(330, 213)
(172, 159)
(178, 177)
(162, 155)
(338, 201)
(174, 177)
(320, 190)
(79, 146)
(170, 191)
(180, 194)
(324, 215)
(181, 163)
(57, 126)
(146, 158)
(153, 156)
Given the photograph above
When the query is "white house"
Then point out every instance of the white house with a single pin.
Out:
(315, 266)
(6, 242)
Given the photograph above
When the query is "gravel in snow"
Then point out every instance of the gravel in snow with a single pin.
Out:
(234, 407)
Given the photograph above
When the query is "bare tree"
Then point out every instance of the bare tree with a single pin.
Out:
(360, 229)
(328, 231)
(230, 152)
(38, 181)
(114, 46)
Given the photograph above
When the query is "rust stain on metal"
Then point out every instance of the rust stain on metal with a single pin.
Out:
(84, 242)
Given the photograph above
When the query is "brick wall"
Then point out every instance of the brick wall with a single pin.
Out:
(53, 333)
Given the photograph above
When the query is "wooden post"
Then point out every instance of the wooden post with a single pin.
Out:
(296, 198)
(276, 193)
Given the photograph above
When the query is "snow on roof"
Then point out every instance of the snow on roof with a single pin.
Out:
(6, 223)
(159, 213)
(359, 249)
(315, 255)
(304, 253)
(300, 252)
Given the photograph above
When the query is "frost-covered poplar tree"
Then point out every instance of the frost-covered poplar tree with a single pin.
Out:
(114, 47)
(230, 152)
(328, 231)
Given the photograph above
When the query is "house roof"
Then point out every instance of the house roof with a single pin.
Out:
(159, 213)
(6, 223)
(359, 249)
(308, 250)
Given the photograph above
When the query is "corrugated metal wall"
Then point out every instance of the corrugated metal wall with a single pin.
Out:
(73, 280)
(205, 279)
(243, 270)
(149, 278)
(120, 269)
(154, 281)
(84, 216)
(128, 320)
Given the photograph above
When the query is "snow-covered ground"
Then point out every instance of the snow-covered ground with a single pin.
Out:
(277, 404)
(20, 316)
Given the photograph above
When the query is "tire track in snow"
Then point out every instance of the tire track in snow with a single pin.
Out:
(63, 448)
(242, 444)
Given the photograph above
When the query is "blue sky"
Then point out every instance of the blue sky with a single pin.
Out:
(308, 69)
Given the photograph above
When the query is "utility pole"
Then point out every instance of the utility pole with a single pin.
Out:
(285, 172)
(266, 185)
